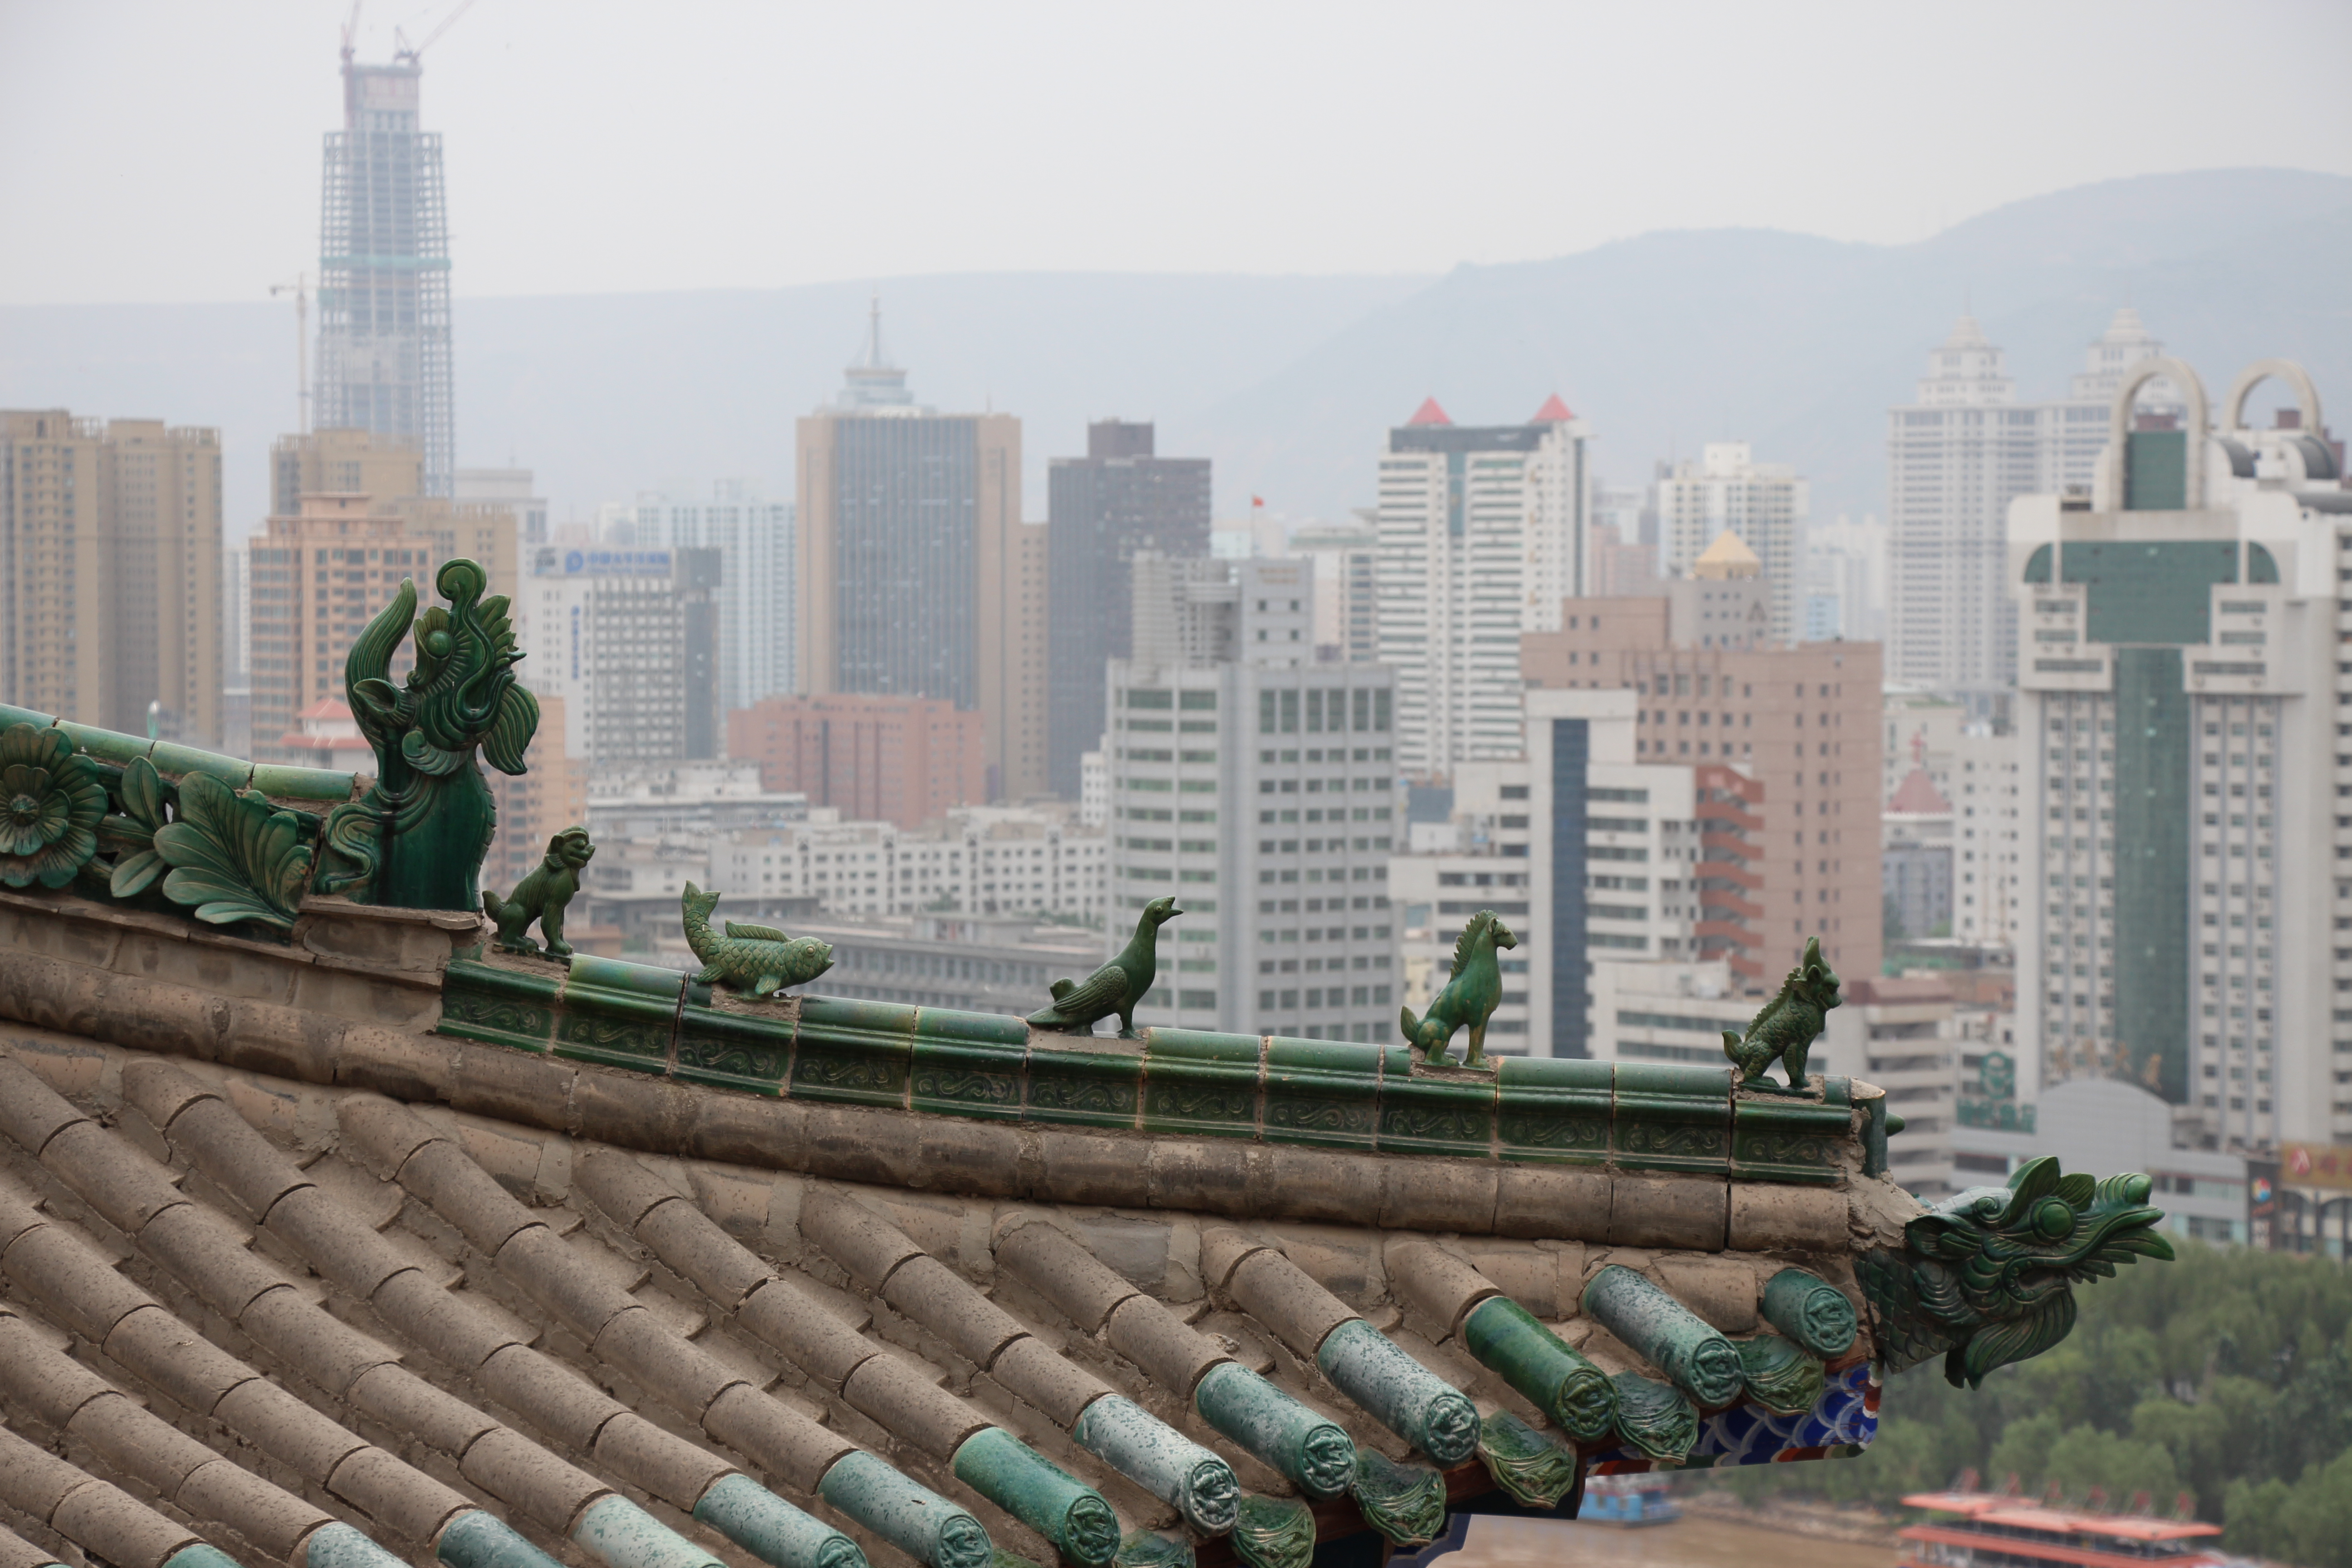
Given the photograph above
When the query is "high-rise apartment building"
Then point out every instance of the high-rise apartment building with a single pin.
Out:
(753, 536)
(630, 640)
(1101, 509)
(1260, 790)
(385, 468)
(1802, 721)
(319, 577)
(1956, 456)
(384, 274)
(906, 760)
(915, 576)
(2180, 688)
(512, 489)
(1765, 504)
(1483, 532)
(110, 573)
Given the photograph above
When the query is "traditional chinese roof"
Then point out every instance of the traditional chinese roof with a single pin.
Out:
(1917, 795)
(329, 1230)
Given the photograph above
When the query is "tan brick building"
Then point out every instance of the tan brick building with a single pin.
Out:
(1804, 719)
(904, 759)
(110, 571)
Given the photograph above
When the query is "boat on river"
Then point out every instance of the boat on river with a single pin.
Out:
(2001, 1530)
(1632, 1499)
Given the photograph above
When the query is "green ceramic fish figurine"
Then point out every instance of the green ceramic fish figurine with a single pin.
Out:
(757, 959)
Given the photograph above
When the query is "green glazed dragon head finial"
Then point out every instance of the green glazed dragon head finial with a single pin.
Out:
(1986, 1276)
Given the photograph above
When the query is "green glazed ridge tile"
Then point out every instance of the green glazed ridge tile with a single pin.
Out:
(960, 1077)
(1082, 1089)
(1433, 1115)
(1321, 1092)
(729, 1050)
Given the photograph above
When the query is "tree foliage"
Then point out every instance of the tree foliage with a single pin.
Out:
(2227, 1373)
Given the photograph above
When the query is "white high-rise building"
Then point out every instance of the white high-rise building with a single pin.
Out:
(1764, 503)
(1259, 788)
(754, 537)
(1483, 529)
(2180, 691)
(1956, 456)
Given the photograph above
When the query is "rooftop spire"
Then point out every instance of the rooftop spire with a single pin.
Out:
(873, 382)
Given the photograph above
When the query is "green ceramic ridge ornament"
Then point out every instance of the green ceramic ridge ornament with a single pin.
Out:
(415, 840)
(234, 857)
(543, 896)
(1117, 986)
(1406, 1503)
(1787, 1027)
(1986, 1277)
(1469, 998)
(757, 959)
(51, 803)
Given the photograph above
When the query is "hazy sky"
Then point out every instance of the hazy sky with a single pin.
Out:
(167, 150)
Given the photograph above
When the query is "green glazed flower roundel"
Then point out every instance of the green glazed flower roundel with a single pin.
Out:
(50, 803)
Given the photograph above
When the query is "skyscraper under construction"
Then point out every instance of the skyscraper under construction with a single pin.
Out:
(383, 266)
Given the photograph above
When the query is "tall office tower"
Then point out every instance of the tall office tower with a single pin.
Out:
(1483, 531)
(1100, 510)
(319, 577)
(1956, 456)
(1764, 503)
(110, 573)
(908, 760)
(629, 639)
(753, 536)
(512, 490)
(1804, 722)
(1259, 790)
(385, 468)
(2180, 688)
(1347, 579)
(915, 576)
(383, 273)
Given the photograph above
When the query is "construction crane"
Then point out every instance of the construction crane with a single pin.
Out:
(400, 50)
(300, 289)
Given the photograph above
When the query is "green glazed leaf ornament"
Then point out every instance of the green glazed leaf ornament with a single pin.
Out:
(1536, 1472)
(137, 865)
(234, 857)
(51, 803)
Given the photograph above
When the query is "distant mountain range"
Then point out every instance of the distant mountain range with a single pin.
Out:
(1796, 344)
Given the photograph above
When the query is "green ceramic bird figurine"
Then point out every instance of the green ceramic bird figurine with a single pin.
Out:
(1117, 986)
